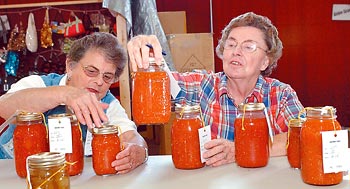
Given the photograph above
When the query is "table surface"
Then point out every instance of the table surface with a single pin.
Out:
(159, 172)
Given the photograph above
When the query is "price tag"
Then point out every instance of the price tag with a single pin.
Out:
(204, 136)
(334, 151)
(60, 135)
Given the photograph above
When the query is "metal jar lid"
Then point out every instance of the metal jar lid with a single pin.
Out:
(105, 129)
(296, 122)
(326, 111)
(73, 119)
(29, 116)
(187, 108)
(46, 160)
(251, 106)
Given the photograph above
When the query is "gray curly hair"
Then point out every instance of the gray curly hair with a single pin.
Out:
(106, 44)
(272, 40)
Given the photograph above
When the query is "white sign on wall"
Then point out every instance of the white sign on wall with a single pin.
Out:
(341, 12)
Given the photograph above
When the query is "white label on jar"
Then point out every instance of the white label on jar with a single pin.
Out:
(60, 135)
(88, 140)
(204, 137)
(334, 151)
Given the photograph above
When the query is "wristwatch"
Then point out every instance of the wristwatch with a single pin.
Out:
(146, 155)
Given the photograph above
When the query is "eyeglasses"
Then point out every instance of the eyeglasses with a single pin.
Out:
(92, 71)
(248, 46)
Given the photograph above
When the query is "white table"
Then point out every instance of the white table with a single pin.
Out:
(159, 172)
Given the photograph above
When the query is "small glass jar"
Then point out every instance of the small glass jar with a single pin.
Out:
(151, 103)
(105, 147)
(30, 137)
(318, 119)
(75, 159)
(293, 148)
(185, 148)
(47, 170)
(251, 136)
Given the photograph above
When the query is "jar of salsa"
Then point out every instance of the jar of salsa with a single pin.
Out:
(29, 137)
(293, 148)
(76, 158)
(185, 148)
(251, 136)
(318, 119)
(47, 170)
(105, 147)
(151, 103)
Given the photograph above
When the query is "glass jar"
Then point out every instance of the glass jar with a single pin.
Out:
(151, 103)
(318, 119)
(30, 137)
(251, 136)
(76, 158)
(185, 146)
(47, 170)
(105, 147)
(293, 148)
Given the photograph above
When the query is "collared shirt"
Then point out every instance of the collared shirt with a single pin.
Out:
(219, 110)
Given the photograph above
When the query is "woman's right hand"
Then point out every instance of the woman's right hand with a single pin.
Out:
(139, 51)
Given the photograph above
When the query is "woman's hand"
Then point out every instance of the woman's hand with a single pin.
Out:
(139, 52)
(219, 152)
(129, 158)
(85, 105)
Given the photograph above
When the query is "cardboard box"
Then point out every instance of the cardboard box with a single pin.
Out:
(173, 22)
(192, 51)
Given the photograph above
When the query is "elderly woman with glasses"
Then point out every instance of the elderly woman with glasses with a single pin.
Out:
(92, 65)
(249, 49)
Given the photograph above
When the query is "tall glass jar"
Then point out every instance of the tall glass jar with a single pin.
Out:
(76, 158)
(30, 137)
(185, 146)
(318, 119)
(293, 148)
(105, 147)
(251, 136)
(151, 103)
(47, 170)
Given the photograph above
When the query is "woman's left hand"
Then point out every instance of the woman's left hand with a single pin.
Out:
(129, 158)
(219, 152)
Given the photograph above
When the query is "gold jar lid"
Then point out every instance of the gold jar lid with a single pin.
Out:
(325, 111)
(296, 122)
(105, 129)
(29, 116)
(187, 108)
(251, 106)
(73, 119)
(46, 160)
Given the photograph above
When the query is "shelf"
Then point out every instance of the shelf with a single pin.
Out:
(43, 4)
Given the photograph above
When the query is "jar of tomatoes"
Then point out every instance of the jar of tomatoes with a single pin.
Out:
(251, 136)
(185, 148)
(105, 147)
(29, 137)
(293, 148)
(75, 159)
(151, 103)
(318, 119)
(47, 170)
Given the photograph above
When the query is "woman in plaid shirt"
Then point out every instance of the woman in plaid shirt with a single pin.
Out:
(249, 48)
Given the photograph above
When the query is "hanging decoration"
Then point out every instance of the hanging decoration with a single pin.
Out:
(46, 33)
(12, 62)
(75, 27)
(17, 39)
(31, 35)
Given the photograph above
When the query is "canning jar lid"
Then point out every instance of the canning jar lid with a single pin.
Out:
(187, 108)
(105, 129)
(251, 106)
(29, 116)
(296, 122)
(46, 160)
